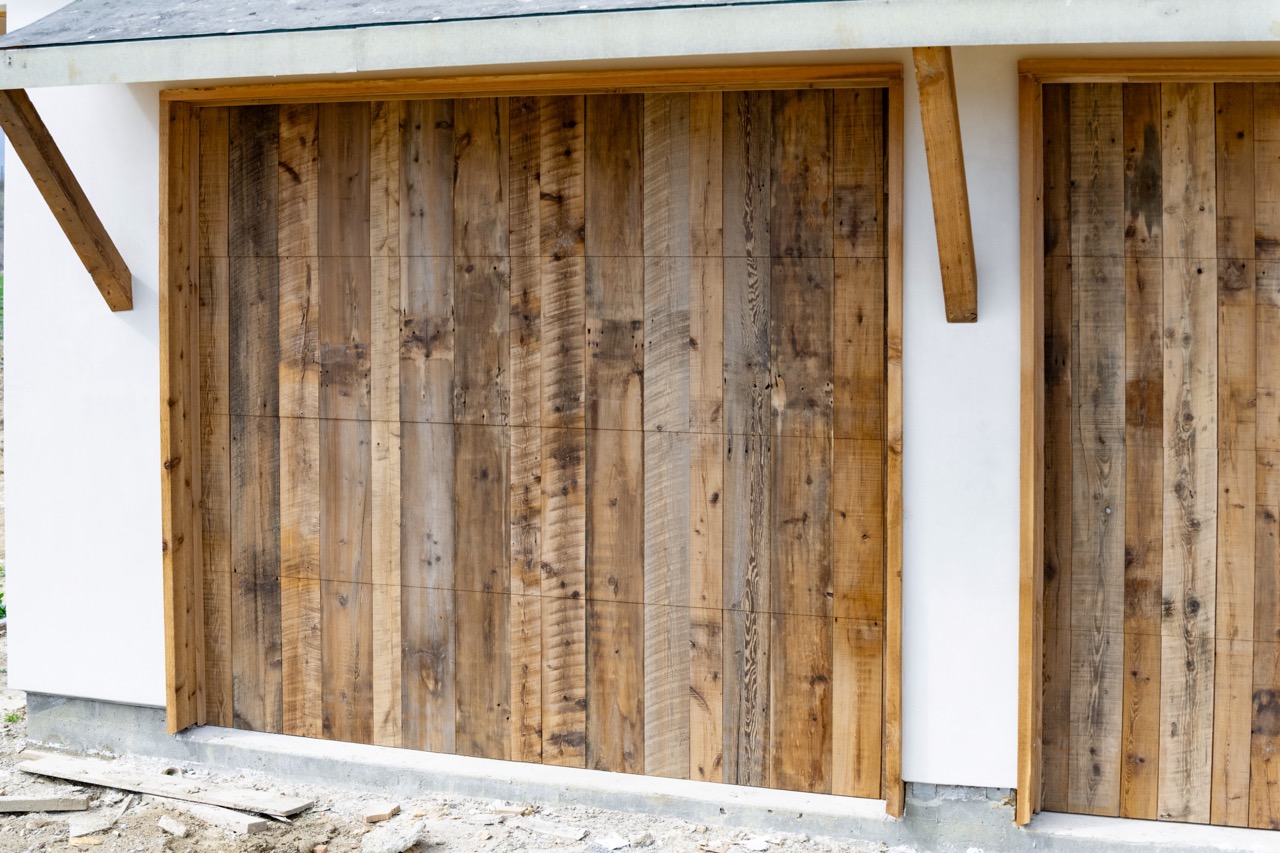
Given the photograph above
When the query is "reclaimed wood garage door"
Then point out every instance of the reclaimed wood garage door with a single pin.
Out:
(551, 429)
(1162, 354)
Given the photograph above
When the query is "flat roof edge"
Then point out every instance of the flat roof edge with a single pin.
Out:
(741, 34)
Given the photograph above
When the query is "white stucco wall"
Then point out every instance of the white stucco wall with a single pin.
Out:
(83, 485)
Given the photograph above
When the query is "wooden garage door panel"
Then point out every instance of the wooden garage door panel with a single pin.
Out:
(1159, 347)
(551, 428)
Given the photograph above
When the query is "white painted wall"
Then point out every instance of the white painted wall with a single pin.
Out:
(81, 395)
(83, 426)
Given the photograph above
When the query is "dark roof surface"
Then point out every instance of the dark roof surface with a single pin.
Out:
(99, 21)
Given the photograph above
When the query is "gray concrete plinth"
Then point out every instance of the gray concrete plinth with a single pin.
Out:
(939, 819)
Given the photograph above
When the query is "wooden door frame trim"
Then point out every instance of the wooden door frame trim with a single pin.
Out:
(179, 351)
(1032, 75)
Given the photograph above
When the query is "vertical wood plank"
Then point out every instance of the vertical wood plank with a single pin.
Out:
(1144, 452)
(215, 419)
(180, 425)
(801, 340)
(1266, 135)
(666, 433)
(255, 441)
(614, 139)
(480, 403)
(706, 388)
(299, 378)
(1237, 388)
(563, 220)
(1191, 438)
(346, 458)
(748, 131)
(426, 414)
(858, 466)
(1264, 759)
(1059, 322)
(1098, 457)
(384, 407)
(525, 329)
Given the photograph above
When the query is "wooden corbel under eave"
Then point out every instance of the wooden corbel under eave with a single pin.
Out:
(39, 153)
(941, 119)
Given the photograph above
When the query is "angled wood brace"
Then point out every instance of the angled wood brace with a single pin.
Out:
(62, 192)
(940, 117)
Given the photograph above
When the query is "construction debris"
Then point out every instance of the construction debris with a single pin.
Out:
(395, 838)
(100, 820)
(94, 772)
(173, 827)
(17, 803)
(379, 812)
(236, 822)
(545, 827)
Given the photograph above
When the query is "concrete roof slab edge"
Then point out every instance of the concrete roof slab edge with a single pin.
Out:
(662, 37)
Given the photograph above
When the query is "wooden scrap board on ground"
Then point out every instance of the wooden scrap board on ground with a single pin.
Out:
(91, 771)
(18, 803)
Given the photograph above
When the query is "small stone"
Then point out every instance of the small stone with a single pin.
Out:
(644, 839)
(394, 838)
(700, 828)
(175, 828)
(320, 848)
(755, 844)
(611, 841)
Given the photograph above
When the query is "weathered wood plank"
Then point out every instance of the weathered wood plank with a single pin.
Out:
(1058, 359)
(858, 467)
(482, 305)
(940, 116)
(426, 414)
(1098, 456)
(1237, 465)
(667, 460)
(67, 201)
(1264, 759)
(525, 329)
(748, 131)
(706, 389)
(180, 419)
(346, 453)
(299, 379)
(1144, 444)
(1266, 159)
(255, 442)
(1191, 438)
(615, 313)
(384, 408)
(215, 420)
(563, 221)
(1143, 534)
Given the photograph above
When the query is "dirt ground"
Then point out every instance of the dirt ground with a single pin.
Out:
(334, 824)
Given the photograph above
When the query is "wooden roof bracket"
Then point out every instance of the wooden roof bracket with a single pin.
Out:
(53, 177)
(940, 116)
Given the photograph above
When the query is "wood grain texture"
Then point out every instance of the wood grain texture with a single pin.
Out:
(1191, 436)
(615, 311)
(1098, 450)
(944, 150)
(254, 403)
(481, 398)
(748, 128)
(180, 414)
(1058, 361)
(346, 453)
(803, 285)
(299, 403)
(562, 252)
(384, 409)
(1264, 750)
(426, 411)
(525, 329)
(706, 389)
(1031, 185)
(1266, 167)
(215, 419)
(666, 432)
(1144, 442)
(1237, 465)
